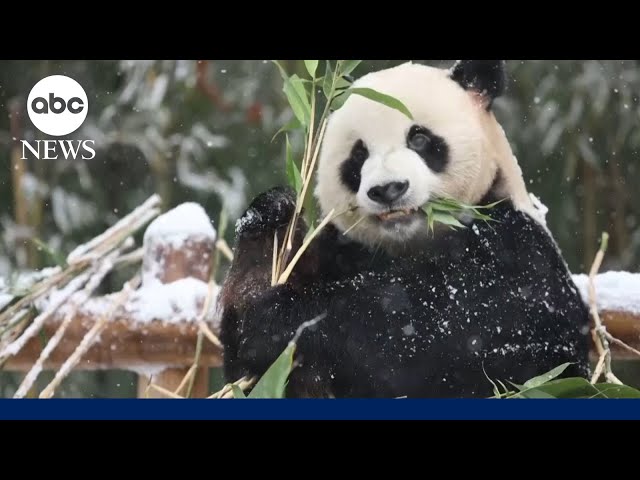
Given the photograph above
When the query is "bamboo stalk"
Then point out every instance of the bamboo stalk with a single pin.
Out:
(164, 391)
(604, 362)
(187, 378)
(203, 331)
(243, 383)
(285, 275)
(204, 328)
(36, 325)
(57, 277)
(620, 343)
(89, 339)
(126, 224)
(82, 296)
(223, 247)
(312, 149)
(195, 365)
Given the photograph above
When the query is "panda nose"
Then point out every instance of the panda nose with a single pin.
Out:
(388, 193)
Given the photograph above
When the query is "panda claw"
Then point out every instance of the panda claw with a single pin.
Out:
(268, 212)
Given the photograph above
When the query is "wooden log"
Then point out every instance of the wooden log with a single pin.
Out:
(172, 251)
(625, 327)
(124, 344)
(192, 259)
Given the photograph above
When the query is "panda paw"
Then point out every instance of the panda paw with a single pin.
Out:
(268, 212)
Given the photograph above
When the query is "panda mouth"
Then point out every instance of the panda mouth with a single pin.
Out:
(394, 215)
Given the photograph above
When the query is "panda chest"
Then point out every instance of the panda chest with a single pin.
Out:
(403, 301)
(395, 317)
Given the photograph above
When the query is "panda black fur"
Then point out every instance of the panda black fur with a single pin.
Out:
(401, 312)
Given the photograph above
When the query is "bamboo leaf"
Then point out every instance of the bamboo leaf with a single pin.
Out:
(310, 212)
(576, 387)
(312, 66)
(348, 66)
(612, 390)
(496, 390)
(449, 211)
(447, 219)
(293, 124)
(504, 387)
(274, 381)
(534, 393)
(298, 100)
(283, 73)
(382, 98)
(339, 99)
(445, 207)
(519, 387)
(237, 392)
(342, 84)
(544, 378)
(328, 81)
(293, 173)
(489, 205)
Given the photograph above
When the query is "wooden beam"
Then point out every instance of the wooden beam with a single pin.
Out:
(123, 345)
(625, 327)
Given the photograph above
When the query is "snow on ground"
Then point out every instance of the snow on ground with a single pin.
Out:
(614, 290)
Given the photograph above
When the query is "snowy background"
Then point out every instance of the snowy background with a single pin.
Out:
(202, 132)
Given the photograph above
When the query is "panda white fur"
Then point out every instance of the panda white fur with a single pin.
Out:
(408, 312)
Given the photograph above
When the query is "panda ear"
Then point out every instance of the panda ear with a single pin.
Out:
(484, 77)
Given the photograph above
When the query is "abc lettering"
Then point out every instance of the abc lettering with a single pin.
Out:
(56, 104)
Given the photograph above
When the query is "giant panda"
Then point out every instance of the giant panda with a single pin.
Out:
(400, 310)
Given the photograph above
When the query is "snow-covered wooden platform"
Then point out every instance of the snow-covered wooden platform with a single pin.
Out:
(155, 330)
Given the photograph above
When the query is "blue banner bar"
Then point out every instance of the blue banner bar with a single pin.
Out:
(365, 409)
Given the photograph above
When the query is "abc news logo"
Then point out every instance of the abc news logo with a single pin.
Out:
(40, 105)
(57, 106)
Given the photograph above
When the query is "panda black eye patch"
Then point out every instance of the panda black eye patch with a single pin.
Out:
(350, 170)
(431, 148)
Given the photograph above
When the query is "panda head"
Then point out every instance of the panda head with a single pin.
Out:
(386, 166)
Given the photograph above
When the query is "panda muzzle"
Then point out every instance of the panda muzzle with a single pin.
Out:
(392, 214)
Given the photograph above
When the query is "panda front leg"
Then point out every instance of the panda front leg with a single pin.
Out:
(258, 319)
